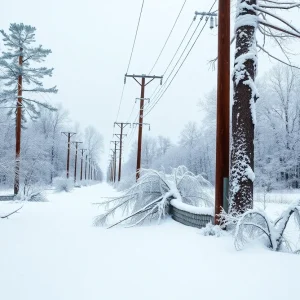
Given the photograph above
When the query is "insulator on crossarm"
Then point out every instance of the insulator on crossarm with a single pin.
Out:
(211, 23)
(216, 21)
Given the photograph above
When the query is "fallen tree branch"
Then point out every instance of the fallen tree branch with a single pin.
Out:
(11, 213)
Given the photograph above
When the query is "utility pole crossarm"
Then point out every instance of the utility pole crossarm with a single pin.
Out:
(66, 133)
(144, 76)
(121, 124)
(211, 15)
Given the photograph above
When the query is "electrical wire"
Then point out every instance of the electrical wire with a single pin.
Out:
(136, 32)
(184, 37)
(161, 51)
(129, 62)
(155, 103)
(178, 47)
(174, 67)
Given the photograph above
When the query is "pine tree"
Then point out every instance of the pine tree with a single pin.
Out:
(21, 77)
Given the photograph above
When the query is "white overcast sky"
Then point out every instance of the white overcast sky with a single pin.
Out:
(91, 42)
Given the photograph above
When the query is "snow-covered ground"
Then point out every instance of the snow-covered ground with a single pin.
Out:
(51, 251)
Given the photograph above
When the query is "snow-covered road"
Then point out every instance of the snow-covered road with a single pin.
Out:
(51, 251)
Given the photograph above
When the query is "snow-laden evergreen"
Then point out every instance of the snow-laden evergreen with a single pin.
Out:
(20, 59)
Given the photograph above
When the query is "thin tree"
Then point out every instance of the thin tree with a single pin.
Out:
(20, 76)
(251, 19)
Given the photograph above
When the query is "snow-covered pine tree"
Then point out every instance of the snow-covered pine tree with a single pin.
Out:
(21, 76)
(251, 18)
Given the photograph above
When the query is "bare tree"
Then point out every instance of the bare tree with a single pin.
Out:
(93, 142)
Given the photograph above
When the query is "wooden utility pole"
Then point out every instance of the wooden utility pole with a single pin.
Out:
(223, 110)
(92, 168)
(68, 135)
(81, 165)
(18, 128)
(141, 115)
(111, 168)
(76, 150)
(115, 158)
(120, 136)
(89, 174)
(86, 160)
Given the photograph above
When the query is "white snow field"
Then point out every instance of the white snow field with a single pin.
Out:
(51, 251)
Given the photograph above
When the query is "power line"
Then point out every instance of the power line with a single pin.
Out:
(136, 32)
(182, 40)
(168, 37)
(120, 102)
(129, 62)
(161, 95)
(161, 88)
(131, 134)
(182, 61)
(179, 46)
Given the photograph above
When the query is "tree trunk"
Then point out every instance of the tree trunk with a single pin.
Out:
(18, 128)
(243, 109)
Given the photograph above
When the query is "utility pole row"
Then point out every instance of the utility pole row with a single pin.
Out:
(120, 136)
(68, 135)
(90, 169)
(115, 158)
(76, 150)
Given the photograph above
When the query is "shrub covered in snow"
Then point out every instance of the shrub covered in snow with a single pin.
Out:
(255, 224)
(63, 184)
(35, 196)
(150, 197)
(212, 230)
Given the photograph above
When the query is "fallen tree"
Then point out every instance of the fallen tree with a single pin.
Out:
(149, 198)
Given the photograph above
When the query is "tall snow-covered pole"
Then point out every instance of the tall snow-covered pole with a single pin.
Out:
(76, 152)
(81, 167)
(223, 108)
(85, 169)
(243, 109)
(89, 172)
(18, 127)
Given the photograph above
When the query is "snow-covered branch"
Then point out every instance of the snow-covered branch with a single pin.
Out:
(276, 58)
(262, 22)
(150, 197)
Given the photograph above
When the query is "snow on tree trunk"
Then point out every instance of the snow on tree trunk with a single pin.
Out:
(243, 109)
